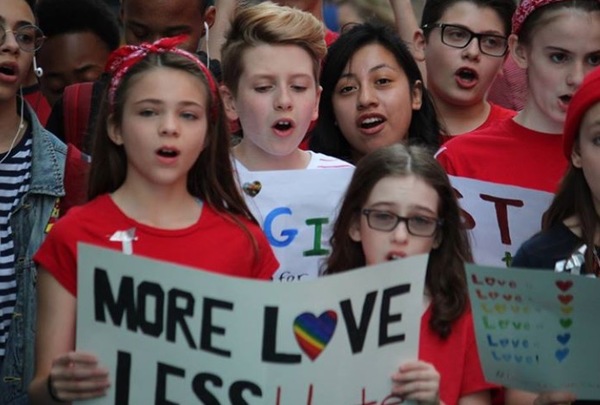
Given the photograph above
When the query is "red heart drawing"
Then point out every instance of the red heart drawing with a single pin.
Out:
(565, 299)
(564, 285)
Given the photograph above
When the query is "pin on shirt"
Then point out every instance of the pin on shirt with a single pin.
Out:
(126, 238)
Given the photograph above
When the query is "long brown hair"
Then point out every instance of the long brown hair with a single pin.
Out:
(445, 278)
(574, 198)
(211, 178)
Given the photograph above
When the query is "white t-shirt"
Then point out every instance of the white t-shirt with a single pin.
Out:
(317, 161)
(296, 210)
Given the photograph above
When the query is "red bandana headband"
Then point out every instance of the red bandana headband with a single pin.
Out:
(123, 58)
(525, 8)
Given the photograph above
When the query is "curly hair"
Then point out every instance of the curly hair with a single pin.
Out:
(56, 17)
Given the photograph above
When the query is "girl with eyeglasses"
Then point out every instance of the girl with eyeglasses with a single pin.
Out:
(32, 164)
(558, 43)
(400, 203)
(461, 47)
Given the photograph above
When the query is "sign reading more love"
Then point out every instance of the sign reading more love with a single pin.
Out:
(198, 337)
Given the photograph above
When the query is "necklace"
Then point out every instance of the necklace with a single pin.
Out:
(12, 144)
(19, 129)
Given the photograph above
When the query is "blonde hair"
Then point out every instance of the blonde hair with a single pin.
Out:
(375, 11)
(271, 24)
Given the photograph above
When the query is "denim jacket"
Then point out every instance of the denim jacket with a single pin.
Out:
(29, 225)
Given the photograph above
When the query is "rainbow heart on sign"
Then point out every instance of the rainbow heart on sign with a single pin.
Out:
(314, 333)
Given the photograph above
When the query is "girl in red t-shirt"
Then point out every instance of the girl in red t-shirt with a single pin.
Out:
(400, 203)
(161, 186)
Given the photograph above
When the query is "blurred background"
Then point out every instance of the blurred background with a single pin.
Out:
(336, 13)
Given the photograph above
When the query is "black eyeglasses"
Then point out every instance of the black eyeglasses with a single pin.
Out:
(29, 37)
(386, 221)
(460, 37)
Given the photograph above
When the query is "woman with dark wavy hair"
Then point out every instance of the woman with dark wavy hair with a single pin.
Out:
(373, 96)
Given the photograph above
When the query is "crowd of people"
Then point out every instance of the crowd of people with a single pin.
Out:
(138, 133)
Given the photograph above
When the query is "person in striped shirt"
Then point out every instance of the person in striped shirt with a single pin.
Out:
(32, 161)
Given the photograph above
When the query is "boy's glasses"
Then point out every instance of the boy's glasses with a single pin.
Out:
(460, 37)
(29, 37)
(386, 221)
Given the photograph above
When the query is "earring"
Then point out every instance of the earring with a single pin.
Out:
(206, 30)
(38, 71)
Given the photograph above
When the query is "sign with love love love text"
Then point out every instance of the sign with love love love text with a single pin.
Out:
(174, 335)
(537, 330)
(296, 210)
(499, 217)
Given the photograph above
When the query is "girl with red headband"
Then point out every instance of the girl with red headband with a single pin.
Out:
(161, 186)
(558, 43)
(570, 237)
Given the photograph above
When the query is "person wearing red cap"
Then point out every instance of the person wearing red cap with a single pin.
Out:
(558, 43)
(570, 233)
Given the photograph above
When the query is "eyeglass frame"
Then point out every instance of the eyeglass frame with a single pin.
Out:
(472, 35)
(15, 33)
(437, 221)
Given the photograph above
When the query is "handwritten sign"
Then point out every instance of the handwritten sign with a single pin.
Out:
(198, 337)
(296, 210)
(500, 218)
(537, 330)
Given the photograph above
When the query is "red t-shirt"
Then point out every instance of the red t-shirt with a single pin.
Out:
(330, 37)
(214, 243)
(456, 358)
(497, 113)
(509, 89)
(507, 153)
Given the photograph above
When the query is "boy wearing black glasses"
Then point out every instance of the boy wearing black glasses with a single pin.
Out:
(461, 45)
